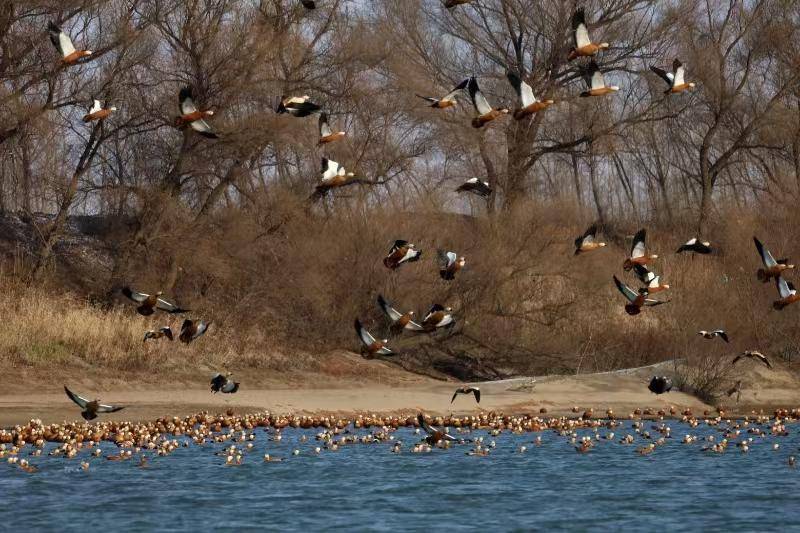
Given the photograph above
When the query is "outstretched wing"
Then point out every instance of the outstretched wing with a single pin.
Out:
(638, 245)
(457, 89)
(783, 287)
(60, 40)
(663, 74)
(524, 91)
(766, 256)
(137, 297)
(186, 101)
(679, 71)
(324, 127)
(390, 312)
(424, 424)
(109, 408)
(626, 291)
(644, 275)
(75, 398)
(169, 307)
(581, 32)
(203, 128)
(478, 100)
(363, 334)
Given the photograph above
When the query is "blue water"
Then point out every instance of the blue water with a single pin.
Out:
(366, 487)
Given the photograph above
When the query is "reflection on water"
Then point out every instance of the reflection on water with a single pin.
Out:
(365, 486)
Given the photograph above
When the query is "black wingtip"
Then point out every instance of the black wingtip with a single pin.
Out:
(51, 26)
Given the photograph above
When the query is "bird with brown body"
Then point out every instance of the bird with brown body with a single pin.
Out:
(638, 254)
(772, 267)
(754, 355)
(582, 43)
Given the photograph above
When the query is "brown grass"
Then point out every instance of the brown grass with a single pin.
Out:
(283, 296)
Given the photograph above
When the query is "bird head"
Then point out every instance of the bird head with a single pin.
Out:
(209, 112)
(706, 243)
(603, 46)
(692, 84)
(614, 88)
(654, 256)
(411, 313)
(87, 52)
(350, 174)
(666, 285)
(159, 293)
(601, 244)
(113, 108)
(503, 110)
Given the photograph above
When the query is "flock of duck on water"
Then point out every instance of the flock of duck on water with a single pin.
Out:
(238, 433)
(203, 428)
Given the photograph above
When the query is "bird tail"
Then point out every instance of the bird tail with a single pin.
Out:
(778, 305)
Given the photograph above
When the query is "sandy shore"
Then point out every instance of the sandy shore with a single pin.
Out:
(621, 391)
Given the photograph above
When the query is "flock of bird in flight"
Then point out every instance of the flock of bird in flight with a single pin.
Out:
(334, 175)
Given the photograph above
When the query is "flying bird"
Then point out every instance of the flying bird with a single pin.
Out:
(583, 45)
(326, 134)
(675, 79)
(695, 245)
(190, 114)
(594, 78)
(650, 279)
(149, 302)
(298, 106)
(435, 435)
(752, 354)
(529, 104)
(586, 242)
(450, 4)
(772, 268)
(98, 112)
(449, 264)
(90, 409)
(660, 384)
(713, 334)
(192, 329)
(448, 100)
(438, 317)
(370, 345)
(401, 252)
(333, 175)
(638, 249)
(467, 390)
(635, 300)
(62, 42)
(224, 384)
(786, 292)
(486, 113)
(399, 321)
(476, 186)
(166, 331)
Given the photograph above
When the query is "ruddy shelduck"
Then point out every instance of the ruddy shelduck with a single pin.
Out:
(528, 103)
(448, 100)
(596, 81)
(638, 252)
(370, 345)
(583, 45)
(62, 42)
(401, 252)
(588, 241)
(675, 79)
(486, 113)
(772, 267)
(98, 112)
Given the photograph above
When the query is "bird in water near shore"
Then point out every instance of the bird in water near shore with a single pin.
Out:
(90, 409)
(467, 390)
(435, 435)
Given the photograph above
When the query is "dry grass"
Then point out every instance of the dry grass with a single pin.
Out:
(284, 299)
